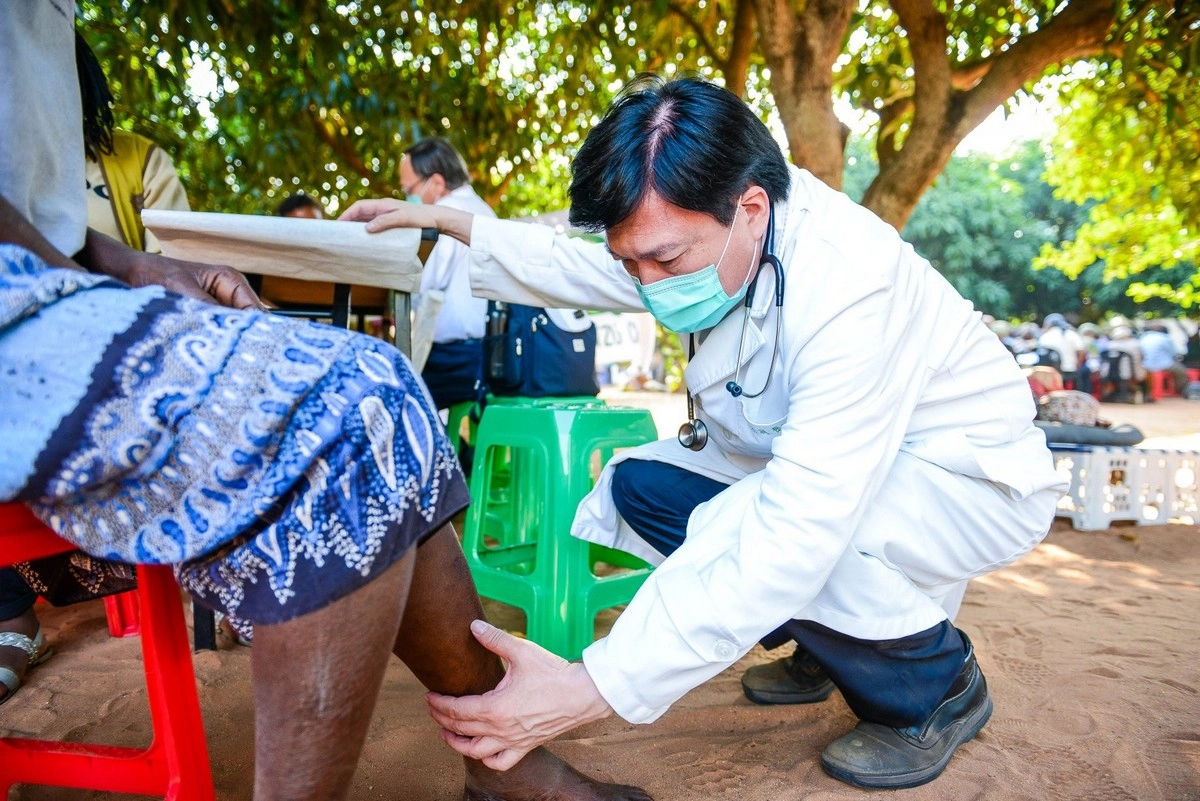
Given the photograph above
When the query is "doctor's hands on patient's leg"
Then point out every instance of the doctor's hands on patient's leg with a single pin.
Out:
(541, 697)
(438, 642)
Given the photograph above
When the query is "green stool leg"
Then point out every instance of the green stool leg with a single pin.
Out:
(547, 449)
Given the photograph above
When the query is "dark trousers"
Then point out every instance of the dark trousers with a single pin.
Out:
(891, 682)
(453, 371)
(15, 596)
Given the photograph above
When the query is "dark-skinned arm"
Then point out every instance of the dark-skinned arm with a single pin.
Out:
(16, 230)
(103, 254)
(210, 282)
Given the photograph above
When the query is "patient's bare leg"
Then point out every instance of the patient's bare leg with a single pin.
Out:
(316, 680)
(436, 643)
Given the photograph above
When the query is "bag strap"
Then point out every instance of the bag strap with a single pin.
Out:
(123, 172)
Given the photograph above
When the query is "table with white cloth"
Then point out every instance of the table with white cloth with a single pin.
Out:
(329, 266)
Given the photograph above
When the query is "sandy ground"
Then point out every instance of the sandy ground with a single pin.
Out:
(1089, 646)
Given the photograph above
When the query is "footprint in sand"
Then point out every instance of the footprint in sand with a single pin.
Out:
(1027, 673)
(1064, 776)
(714, 778)
(1163, 758)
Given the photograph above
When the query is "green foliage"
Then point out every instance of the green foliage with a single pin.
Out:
(258, 100)
(983, 224)
(1128, 144)
(974, 227)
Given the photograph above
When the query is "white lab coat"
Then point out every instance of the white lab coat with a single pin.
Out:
(461, 315)
(892, 457)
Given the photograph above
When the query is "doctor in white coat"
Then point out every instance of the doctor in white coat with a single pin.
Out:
(860, 447)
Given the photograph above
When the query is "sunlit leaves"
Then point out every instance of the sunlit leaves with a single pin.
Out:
(1130, 144)
(294, 86)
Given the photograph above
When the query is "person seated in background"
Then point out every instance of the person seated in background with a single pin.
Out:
(1065, 346)
(300, 205)
(293, 474)
(433, 172)
(1093, 345)
(1160, 354)
(1004, 332)
(1191, 355)
(1121, 368)
(1023, 344)
(126, 172)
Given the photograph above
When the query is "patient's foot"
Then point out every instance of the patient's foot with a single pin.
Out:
(16, 659)
(541, 776)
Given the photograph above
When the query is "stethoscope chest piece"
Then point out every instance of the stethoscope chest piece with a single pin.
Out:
(693, 435)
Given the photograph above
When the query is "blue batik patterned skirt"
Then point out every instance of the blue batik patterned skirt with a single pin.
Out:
(278, 465)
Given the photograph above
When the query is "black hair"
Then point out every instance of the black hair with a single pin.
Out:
(693, 143)
(435, 156)
(299, 200)
(97, 100)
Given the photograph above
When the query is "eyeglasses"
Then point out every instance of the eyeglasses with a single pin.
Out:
(415, 188)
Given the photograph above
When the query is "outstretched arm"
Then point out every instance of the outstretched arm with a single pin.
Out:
(208, 282)
(385, 213)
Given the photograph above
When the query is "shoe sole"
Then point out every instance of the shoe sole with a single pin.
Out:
(769, 698)
(900, 781)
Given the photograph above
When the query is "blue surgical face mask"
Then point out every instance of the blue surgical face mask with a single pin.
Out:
(695, 301)
(413, 197)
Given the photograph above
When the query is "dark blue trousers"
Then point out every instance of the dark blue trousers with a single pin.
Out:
(453, 371)
(891, 682)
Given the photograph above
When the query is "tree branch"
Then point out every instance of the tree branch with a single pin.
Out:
(1079, 31)
(931, 65)
(886, 148)
(944, 114)
(697, 29)
(339, 146)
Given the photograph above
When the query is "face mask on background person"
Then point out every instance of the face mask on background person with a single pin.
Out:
(411, 194)
(694, 301)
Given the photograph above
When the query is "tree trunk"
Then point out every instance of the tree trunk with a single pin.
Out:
(948, 100)
(800, 48)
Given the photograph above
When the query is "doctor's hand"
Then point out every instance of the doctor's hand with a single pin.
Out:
(541, 697)
(384, 213)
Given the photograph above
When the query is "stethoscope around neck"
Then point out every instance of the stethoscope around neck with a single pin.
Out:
(694, 433)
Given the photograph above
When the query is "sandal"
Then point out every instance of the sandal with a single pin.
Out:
(33, 649)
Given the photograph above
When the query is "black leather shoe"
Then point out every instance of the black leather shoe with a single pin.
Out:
(795, 679)
(873, 755)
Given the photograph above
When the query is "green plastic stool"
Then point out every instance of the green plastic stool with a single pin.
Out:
(534, 462)
(501, 510)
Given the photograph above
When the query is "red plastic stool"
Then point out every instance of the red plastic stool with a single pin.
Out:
(175, 765)
(1162, 384)
(122, 612)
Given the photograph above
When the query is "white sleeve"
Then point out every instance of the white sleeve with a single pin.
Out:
(531, 264)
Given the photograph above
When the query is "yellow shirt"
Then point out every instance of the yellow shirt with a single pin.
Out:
(161, 189)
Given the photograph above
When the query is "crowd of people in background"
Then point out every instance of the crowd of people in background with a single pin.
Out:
(1115, 360)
